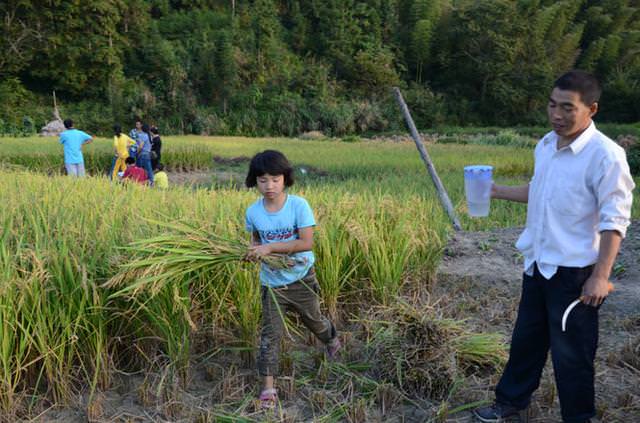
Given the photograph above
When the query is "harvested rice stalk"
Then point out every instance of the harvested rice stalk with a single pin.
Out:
(184, 252)
(423, 353)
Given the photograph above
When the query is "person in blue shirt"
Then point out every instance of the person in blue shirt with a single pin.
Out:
(144, 152)
(281, 223)
(133, 134)
(72, 141)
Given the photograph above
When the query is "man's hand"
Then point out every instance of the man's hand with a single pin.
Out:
(494, 191)
(257, 251)
(595, 290)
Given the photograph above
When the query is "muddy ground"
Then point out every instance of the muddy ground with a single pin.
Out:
(484, 269)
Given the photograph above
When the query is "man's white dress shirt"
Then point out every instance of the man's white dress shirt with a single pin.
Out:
(576, 192)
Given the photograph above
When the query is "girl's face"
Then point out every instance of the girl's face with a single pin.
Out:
(270, 186)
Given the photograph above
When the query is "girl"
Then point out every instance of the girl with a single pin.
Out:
(121, 144)
(283, 223)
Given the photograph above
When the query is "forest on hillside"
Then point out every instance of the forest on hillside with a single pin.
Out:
(282, 67)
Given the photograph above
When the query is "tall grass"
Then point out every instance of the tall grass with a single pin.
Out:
(63, 240)
(63, 327)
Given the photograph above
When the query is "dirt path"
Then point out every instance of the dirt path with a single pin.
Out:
(483, 271)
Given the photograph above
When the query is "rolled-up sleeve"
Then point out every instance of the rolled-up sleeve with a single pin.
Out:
(614, 188)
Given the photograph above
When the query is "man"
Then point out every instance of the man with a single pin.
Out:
(135, 131)
(578, 209)
(72, 141)
(134, 134)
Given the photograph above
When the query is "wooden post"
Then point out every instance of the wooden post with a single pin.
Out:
(56, 113)
(442, 192)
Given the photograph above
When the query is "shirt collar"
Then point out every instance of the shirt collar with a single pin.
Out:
(579, 143)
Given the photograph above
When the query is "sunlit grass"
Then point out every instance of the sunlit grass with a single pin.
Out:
(61, 240)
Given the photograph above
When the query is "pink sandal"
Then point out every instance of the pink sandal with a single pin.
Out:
(333, 347)
(268, 399)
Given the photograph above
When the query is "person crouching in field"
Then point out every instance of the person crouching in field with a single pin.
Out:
(72, 141)
(121, 145)
(283, 223)
(134, 173)
(578, 210)
(161, 178)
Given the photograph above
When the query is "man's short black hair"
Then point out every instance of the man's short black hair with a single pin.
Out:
(581, 82)
(68, 123)
(272, 162)
(129, 160)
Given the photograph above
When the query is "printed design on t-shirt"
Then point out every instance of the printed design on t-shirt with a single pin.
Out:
(277, 235)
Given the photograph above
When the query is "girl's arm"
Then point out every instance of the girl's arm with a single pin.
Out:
(303, 243)
(255, 239)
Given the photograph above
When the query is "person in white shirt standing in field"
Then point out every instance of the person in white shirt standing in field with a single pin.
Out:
(578, 210)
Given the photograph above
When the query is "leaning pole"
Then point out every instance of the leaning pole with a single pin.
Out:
(442, 192)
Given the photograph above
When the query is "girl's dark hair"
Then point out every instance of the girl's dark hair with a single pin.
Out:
(117, 130)
(581, 82)
(154, 130)
(272, 162)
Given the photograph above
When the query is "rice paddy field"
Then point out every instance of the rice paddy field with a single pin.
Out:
(87, 335)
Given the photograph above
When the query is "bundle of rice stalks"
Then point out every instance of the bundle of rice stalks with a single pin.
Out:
(630, 355)
(182, 252)
(425, 353)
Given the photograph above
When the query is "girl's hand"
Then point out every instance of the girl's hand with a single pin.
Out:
(495, 191)
(257, 251)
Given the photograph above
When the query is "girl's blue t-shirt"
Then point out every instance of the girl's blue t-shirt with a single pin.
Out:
(282, 226)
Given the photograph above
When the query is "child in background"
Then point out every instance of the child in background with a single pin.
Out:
(161, 179)
(121, 144)
(283, 223)
(134, 173)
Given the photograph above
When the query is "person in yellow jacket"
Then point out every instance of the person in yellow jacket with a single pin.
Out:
(161, 180)
(121, 144)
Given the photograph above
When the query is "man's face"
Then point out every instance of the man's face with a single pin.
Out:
(568, 115)
(139, 126)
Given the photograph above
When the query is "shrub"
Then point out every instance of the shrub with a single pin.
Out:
(351, 138)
